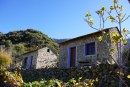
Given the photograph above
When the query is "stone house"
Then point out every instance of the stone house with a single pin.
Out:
(87, 50)
(41, 58)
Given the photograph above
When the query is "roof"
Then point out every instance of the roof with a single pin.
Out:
(30, 52)
(39, 49)
(87, 35)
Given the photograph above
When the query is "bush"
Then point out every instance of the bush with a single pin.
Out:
(106, 74)
(10, 79)
(58, 83)
(5, 59)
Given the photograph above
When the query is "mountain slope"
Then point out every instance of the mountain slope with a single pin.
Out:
(29, 40)
(60, 40)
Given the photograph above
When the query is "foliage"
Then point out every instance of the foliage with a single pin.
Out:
(18, 50)
(10, 79)
(104, 75)
(5, 59)
(116, 15)
(8, 43)
(58, 83)
(23, 41)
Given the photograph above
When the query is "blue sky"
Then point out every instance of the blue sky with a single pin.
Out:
(56, 18)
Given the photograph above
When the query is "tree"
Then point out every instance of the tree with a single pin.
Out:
(8, 43)
(115, 15)
(2, 42)
(18, 50)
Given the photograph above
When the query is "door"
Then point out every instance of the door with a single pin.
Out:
(29, 63)
(72, 56)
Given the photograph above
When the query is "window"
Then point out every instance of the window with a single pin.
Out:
(90, 49)
(48, 50)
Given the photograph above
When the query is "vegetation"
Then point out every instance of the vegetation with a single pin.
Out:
(104, 75)
(58, 83)
(6, 77)
(116, 15)
(10, 79)
(23, 41)
(14, 79)
(5, 59)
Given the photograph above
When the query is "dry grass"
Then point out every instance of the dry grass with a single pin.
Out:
(5, 59)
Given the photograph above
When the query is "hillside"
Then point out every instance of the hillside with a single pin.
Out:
(23, 41)
(60, 40)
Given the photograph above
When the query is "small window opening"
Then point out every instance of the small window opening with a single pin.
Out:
(48, 50)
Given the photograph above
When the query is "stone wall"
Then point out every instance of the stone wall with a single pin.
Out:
(104, 72)
(42, 58)
(46, 58)
(63, 74)
(34, 54)
(102, 50)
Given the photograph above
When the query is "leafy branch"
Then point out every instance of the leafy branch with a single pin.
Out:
(116, 37)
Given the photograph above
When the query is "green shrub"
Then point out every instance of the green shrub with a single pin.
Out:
(58, 83)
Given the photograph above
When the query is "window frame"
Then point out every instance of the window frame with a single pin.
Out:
(85, 49)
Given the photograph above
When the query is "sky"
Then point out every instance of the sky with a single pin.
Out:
(55, 18)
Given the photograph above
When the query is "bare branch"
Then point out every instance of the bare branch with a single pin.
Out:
(126, 18)
(127, 36)
(91, 25)
(123, 16)
(117, 14)
(100, 21)
(105, 20)
(116, 62)
(123, 81)
(116, 21)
